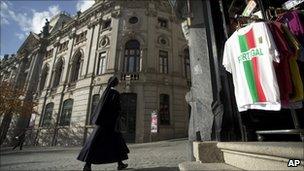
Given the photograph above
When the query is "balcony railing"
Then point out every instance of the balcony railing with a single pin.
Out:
(131, 76)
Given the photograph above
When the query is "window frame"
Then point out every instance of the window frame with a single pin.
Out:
(47, 116)
(162, 23)
(65, 117)
(132, 51)
(164, 116)
(101, 63)
(163, 62)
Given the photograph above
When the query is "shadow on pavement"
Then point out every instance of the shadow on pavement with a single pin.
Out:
(155, 169)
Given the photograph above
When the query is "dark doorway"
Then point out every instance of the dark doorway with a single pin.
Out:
(128, 118)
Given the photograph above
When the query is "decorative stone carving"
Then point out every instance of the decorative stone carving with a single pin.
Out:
(104, 41)
(163, 40)
(116, 14)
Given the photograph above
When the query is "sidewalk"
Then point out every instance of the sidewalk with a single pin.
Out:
(36, 149)
(41, 149)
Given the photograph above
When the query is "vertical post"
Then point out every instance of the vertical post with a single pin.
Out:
(260, 2)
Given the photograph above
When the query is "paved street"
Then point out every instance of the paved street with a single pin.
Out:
(164, 155)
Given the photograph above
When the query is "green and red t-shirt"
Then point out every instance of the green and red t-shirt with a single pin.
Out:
(248, 55)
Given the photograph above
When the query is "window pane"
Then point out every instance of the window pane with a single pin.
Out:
(164, 109)
(132, 56)
(131, 64)
(48, 114)
(65, 118)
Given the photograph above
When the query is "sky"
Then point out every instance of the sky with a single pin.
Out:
(20, 17)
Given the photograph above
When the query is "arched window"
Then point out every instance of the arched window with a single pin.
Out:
(58, 73)
(164, 109)
(132, 56)
(187, 64)
(95, 100)
(47, 119)
(75, 69)
(43, 77)
(66, 113)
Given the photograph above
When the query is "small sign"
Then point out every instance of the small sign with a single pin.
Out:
(249, 8)
(154, 122)
(291, 3)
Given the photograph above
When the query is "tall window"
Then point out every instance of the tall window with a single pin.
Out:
(63, 46)
(163, 23)
(106, 24)
(163, 62)
(95, 100)
(66, 113)
(187, 64)
(132, 56)
(81, 37)
(101, 66)
(47, 119)
(75, 67)
(164, 109)
(58, 73)
(43, 77)
(49, 53)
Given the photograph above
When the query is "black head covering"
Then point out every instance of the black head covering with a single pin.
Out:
(112, 82)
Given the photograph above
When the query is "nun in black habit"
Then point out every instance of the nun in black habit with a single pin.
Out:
(106, 144)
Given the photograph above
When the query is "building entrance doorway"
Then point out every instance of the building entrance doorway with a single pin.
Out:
(128, 116)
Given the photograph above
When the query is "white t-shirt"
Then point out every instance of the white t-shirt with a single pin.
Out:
(248, 55)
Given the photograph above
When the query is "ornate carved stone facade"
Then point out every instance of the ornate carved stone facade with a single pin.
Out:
(140, 42)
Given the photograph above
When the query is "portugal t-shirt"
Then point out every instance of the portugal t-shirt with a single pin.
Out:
(248, 55)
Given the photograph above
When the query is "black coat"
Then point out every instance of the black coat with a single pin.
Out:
(105, 144)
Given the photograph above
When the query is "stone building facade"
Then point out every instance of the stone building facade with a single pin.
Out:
(140, 42)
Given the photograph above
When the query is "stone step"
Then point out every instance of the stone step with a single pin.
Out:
(262, 155)
(192, 166)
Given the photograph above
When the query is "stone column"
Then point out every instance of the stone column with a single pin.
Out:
(201, 115)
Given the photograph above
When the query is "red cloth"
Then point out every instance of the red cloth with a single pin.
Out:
(282, 69)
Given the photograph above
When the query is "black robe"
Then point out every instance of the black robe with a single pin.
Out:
(105, 144)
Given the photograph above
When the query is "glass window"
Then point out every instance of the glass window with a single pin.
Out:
(95, 100)
(58, 71)
(133, 20)
(164, 109)
(132, 56)
(43, 78)
(106, 24)
(47, 119)
(101, 65)
(163, 62)
(163, 23)
(65, 118)
(75, 68)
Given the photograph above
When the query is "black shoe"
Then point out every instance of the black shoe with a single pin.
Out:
(87, 168)
(122, 166)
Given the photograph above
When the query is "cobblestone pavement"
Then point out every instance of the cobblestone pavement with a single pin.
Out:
(163, 156)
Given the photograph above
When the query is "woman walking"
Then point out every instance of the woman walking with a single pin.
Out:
(106, 144)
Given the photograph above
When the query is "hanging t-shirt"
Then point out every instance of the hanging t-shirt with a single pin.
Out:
(282, 69)
(248, 55)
